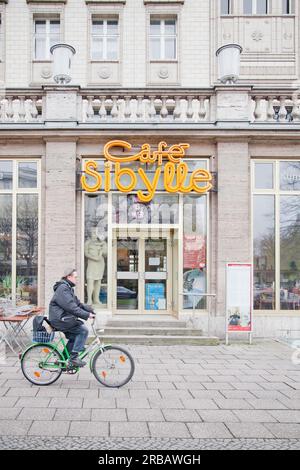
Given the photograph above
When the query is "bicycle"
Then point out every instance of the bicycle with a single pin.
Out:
(43, 363)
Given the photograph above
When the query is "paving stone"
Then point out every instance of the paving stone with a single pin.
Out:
(217, 416)
(93, 428)
(7, 402)
(14, 427)
(160, 385)
(145, 415)
(9, 413)
(50, 392)
(169, 430)
(286, 416)
(285, 431)
(99, 403)
(206, 394)
(262, 404)
(233, 404)
(208, 430)
(22, 392)
(183, 416)
(3, 391)
(236, 394)
(251, 416)
(165, 403)
(146, 393)
(109, 415)
(292, 404)
(66, 403)
(248, 430)
(129, 429)
(49, 428)
(219, 386)
(71, 414)
(83, 393)
(32, 402)
(36, 414)
(199, 404)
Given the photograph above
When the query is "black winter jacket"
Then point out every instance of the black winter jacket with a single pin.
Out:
(65, 309)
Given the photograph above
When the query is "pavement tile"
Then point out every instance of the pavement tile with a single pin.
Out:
(292, 404)
(199, 404)
(286, 416)
(183, 416)
(99, 403)
(209, 430)
(145, 415)
(284, 430)
(233, 404)
(14, 427)
(249, 430)
(49, 428)
(217, 416)
(165, 403)
(132, 403)
(129, 429)
(76, 414)
(88, 429)
(265, 404)
(66, 403)
(253, 416)
(32, 402)
(7, 402)
(109, 415)
(22, 392)
(9, 413)
(36, 414)
(163, 429)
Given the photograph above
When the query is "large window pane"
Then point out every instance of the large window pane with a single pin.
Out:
(170, 48)
(288, 7)
(97, 48)
(263, 175)
(290, 252)
(264, 252)
(261, 7)
(40, 48)
(27, 248)
(27, 175)
(112, 48)
(95, 250)
(6, 174)
(155, 27)
(225, 7)
(170, 27)
(5, 245)
(290, 176)
(194, 251)
(248, 7)
(155, 49)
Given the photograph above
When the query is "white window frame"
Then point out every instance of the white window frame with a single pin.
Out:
(162, 37)
(47, 35)
(105, 36)
(277, 193)
(15, 190)
(254, 8)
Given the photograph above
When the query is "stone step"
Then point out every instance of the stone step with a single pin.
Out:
(151, 331)
(145, 324)
(158, 340)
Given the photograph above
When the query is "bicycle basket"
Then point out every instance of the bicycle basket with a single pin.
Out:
(42, 337)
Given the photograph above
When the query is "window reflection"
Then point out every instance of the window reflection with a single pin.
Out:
(263, 175)
(290, 176)
(6, 174)
(289, 252)
(5, 244)
(27, 175)
(264, 252)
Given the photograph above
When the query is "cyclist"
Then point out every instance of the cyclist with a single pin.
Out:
(65, 314)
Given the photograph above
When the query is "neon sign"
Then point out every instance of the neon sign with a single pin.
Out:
(174, 171)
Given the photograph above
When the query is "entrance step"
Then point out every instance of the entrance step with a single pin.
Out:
(161, 340)
(154, 331)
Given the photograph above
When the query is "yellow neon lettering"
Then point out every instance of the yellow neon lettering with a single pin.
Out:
(89, 169)
(200, 176)
(151, 187)
(124, 171)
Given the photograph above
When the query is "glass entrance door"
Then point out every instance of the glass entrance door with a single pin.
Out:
(143, 273)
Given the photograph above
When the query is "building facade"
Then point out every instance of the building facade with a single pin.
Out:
(145, 72)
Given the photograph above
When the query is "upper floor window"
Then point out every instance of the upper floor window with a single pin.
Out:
(105, 39)
(46, 34)
(288, 7)
(225, 7)
(255, 7)
(163, 39)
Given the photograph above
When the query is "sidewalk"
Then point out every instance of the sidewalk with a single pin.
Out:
(187, 397)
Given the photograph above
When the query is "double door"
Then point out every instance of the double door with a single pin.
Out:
(143, 273)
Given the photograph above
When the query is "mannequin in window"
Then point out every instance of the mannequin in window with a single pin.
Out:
(95, 249)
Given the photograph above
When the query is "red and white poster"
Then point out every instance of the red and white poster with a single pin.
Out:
(194, 251)
(239, 297)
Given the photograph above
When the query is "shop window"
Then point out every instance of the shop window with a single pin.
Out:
(256, 7)
(194, 251)
(276, 236)
(46, 34)
(95, 249)
(105, 39)
(163, 39)
(288, 7)
(19, 207)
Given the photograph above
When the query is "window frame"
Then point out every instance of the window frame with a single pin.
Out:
(14, 191)
(163, 37)
(277, 193)
(105, 37)
(47, 36)
(229, 8)
(290, 6)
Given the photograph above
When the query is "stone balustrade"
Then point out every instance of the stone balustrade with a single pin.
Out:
(278, 106)
(17, 107)
(147, 106)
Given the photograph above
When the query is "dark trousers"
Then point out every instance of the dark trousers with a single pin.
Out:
(77, 337)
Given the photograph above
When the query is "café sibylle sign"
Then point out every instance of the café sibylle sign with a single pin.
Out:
(169, 164)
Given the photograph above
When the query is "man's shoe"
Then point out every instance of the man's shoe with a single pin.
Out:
(76, 361)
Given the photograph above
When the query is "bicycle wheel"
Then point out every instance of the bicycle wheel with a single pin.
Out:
(40, 366)
(113, 366)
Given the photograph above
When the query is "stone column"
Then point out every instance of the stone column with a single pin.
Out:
(233, 216)
(60, 210)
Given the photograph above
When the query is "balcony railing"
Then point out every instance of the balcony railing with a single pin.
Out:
(269, 106)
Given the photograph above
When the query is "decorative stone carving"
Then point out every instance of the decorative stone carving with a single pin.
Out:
(46, 72)
(257, 35)
(104, 73)
(163, 72)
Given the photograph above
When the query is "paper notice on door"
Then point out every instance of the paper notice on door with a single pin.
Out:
(154, 261)
(161, 304)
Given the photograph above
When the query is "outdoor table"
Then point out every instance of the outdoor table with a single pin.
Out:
(15, 327)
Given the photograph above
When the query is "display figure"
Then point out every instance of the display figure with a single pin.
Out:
(95, 249)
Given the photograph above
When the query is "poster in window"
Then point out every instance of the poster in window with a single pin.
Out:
(238, 297)
(194, 251)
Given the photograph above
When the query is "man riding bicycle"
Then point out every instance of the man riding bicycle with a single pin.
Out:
(65, 312)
